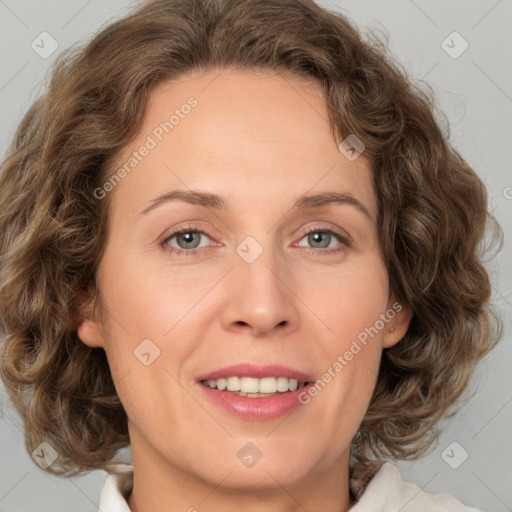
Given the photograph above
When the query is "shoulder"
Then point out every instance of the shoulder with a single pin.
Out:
(378, 486)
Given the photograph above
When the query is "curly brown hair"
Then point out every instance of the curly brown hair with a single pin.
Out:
(432, 215)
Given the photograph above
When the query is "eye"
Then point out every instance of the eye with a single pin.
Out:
(187, 240)
(324, 238)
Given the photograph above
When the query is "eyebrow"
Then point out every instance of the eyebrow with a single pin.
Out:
(217, 202)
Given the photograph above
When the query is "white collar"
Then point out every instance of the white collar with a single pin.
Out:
(380, 489)
(116, 488)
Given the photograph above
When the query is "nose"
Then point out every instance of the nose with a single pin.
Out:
(259, 297)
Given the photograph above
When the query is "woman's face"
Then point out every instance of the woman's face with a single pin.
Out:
(244, 285)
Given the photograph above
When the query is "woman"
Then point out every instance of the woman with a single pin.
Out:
(161, 286)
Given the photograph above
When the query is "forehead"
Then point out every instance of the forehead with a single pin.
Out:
(258, 133)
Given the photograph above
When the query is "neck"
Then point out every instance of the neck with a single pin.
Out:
(161, 486)
(288, 503)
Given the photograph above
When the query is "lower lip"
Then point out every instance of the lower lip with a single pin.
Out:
(257, 408)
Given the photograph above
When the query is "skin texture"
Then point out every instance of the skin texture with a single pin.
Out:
(260, 139)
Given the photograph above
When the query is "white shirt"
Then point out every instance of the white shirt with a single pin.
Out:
(384, 492)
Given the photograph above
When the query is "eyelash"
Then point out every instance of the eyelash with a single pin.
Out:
(193, 252)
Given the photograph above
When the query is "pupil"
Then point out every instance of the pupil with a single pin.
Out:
(314, 237)
(188, 236)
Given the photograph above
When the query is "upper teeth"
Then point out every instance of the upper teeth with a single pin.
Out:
(252, 385)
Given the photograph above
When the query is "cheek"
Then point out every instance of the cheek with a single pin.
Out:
(146, 311)
(149, 300)
(351, 304)
(343, 392)
(351, 300)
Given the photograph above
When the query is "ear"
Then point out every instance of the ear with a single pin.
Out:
(396, 328)
(88, 328)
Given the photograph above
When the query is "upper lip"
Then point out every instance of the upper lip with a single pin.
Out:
(256, 371)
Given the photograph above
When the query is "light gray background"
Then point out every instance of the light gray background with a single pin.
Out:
(475, 90)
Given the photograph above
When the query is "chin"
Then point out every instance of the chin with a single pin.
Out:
(254, 466)
(260, 479)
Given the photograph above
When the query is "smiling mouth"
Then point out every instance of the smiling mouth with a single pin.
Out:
(254, 387)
